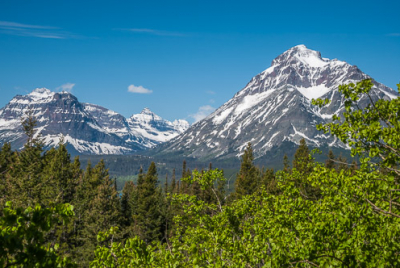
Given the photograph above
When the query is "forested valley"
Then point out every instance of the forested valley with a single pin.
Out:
(338, 213)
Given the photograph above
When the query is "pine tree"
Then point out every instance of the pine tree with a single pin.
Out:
(184, 169)
(286, 165)
(269, 182)
(329, 163)
(59, 175)
(195, 188)
(184, 188)
(140, 177)
(353, 167)
(148, 215)
(27, 177)
(302, 161)
(166, 186)
(60, 178)
(173, 182)
(342, 163)
(101, 210)
(127, 199)
(8, 160)
(248, 178)
(304, 165)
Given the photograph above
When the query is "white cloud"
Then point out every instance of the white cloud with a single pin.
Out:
(202, 112)
(210, 92)
(393, 34)
(141, 90)
(20, 29)
(211, 101)
(66, 87)
(14, 25)
(152, 32)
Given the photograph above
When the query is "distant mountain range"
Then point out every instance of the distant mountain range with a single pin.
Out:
(86, 128)
(274, 108)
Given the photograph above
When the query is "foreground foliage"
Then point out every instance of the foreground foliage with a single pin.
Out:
(353, 220)
(22, 236)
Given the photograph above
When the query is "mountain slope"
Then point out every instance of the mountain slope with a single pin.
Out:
(274, 107)
(86, 128)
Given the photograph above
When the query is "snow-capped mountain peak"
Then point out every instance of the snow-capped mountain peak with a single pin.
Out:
(307, 57)
(147, 111)
(153, 127)
(41, 93)
(146, 115)
(181, 125)
(275, 106)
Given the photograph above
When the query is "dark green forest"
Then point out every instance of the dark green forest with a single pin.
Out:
(304, 213)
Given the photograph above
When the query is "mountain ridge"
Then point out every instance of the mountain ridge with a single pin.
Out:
(86, 128)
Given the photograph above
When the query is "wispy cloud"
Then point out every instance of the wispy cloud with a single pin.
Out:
(202, 112)
(139, 89)
(152, 32)
(66, 87)
(210, 92)
(14, 25)
(393, 34)
(20, 29)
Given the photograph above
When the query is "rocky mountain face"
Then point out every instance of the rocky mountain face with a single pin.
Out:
(275, 107)
(86, 128)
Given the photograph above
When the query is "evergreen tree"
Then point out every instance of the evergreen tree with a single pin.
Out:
(329, 163)
(353, 167)
(247, 180)
(127, 204)
(184, 188)
(303, 164)
(302, 161)
(184, 169)
(8, 160)
(140, 177)
(342, 163)
(166, 186)
(195, 188)
(102, 210)
(173, 182)
(59, 175)
(269, 182)
(148, 215)
(29, 185)
(286, 165)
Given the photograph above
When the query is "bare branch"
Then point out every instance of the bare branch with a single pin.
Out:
(382, 210)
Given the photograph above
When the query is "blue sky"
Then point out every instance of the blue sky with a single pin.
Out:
(185, 58)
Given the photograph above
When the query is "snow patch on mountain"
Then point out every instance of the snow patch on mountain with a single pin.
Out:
(314, 92)
(83, 146)
(251, 100)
